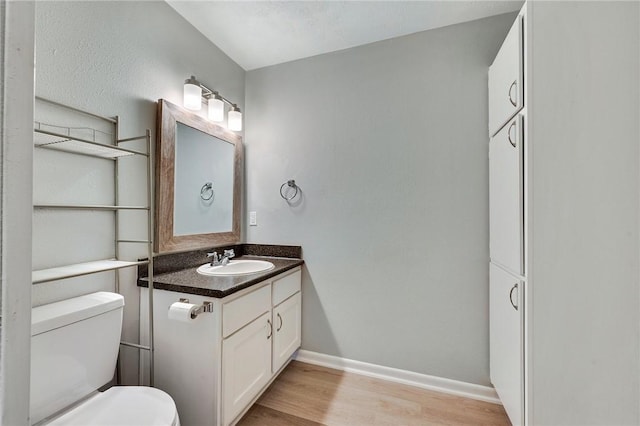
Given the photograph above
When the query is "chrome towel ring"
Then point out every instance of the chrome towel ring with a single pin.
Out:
(289, 184)
(206, 192)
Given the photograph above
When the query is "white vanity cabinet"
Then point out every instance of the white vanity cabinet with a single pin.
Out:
(216, 365)
(506, 75)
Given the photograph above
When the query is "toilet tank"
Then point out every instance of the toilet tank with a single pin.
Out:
(74, 348)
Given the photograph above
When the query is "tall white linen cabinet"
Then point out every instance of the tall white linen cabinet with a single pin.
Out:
(564, 196)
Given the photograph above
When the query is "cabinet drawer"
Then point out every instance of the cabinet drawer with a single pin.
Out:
(243, 310)
(285, 287)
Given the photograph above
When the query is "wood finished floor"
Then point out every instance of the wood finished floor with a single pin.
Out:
(308, 395)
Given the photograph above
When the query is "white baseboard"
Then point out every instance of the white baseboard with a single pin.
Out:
(424, 381)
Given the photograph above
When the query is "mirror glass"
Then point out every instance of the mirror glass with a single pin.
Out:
(198, 181)
(203, 201)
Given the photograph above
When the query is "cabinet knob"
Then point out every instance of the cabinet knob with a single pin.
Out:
(515, 287)
(280, 326)
(513, 85)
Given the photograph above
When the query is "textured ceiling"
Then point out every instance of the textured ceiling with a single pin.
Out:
(256, 34)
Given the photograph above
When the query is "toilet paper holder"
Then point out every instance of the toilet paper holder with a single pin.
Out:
(205, 307)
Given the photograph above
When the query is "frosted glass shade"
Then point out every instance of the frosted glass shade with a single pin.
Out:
(235, 120)
(216, 109)
(192, 96)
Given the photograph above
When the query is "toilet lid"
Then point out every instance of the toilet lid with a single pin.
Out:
(123, 406)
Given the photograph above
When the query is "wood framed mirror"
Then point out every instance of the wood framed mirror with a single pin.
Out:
(198, 178)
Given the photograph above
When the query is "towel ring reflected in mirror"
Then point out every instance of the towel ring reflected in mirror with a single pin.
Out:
(206, 192)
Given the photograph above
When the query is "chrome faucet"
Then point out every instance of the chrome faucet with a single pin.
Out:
(217, 260)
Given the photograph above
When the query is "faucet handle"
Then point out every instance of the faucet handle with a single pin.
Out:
(216, 259)
(229, 253)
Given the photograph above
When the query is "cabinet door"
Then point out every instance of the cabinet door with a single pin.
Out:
(287, 334)
(246, 365)
(506, 340)
(506, 91)
(506, 213)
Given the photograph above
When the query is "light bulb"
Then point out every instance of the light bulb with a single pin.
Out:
(235, 119)
(192, 94)
(216, 108)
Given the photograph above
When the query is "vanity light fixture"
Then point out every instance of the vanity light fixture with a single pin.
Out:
(216, 107)
(235, 118)
(192, 94)
(194, 91)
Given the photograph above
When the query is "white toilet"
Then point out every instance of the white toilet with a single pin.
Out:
(74, 347)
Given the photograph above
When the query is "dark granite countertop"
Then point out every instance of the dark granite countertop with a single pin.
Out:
(187, 280)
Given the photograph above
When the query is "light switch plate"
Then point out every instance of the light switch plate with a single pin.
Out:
(253, 220)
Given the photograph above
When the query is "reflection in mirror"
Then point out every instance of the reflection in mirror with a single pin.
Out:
(198, 181)
(203, 183)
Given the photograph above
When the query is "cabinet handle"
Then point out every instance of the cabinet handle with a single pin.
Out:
(280, 326)
(513, 125)
(514, 84)
(270, 329)
(515, 287)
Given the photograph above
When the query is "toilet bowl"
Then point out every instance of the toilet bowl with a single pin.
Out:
(74, 348)
(122, 406)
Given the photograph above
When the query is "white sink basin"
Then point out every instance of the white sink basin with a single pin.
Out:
(236, 267)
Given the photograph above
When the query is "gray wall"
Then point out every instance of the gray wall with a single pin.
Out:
(388, 143)
(584, 110)
(112, 58)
